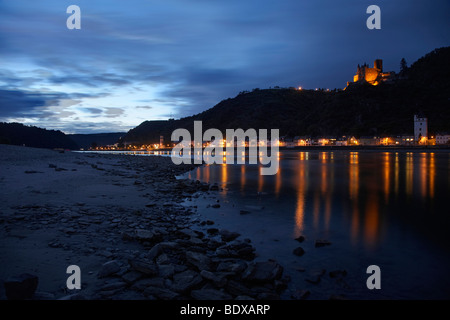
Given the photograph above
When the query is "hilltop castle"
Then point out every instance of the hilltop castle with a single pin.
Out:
(373, 76)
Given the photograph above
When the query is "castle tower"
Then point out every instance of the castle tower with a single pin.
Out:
(420, 129)
(378, 64)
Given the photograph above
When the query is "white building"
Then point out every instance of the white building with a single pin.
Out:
(442, 138)
(420, 129)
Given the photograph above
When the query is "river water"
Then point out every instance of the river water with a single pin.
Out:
(389, 209)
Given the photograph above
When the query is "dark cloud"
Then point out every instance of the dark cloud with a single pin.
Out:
(14, 103)
(21, 103)
(94, 111)
(91, 80)
(187, 58)
(79, 126)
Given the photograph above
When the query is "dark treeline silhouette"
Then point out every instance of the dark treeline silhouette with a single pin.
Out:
(19, 134)
(361, 110)
(87, 141)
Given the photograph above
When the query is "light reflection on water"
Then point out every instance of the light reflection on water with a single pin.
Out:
(379, 202)
(323, 181)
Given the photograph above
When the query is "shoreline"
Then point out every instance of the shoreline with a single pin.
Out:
(436, 148)
(444, 148)
(123, 221)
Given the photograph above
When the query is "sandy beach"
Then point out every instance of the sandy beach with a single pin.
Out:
(125, 222)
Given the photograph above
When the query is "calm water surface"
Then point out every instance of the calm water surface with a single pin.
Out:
(390, 209)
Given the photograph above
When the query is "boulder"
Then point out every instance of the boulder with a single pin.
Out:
(212, 231)
(199, 260)
(166, 270)
(185, 281)
(313, 279)
(214, 187)
(238, 289)
(235, 266)
(299, 251)
(219, 278)
(116, 285)
(228, 235)
(142, 284)
(108, 269)
(322, 243)
(146, 267)
(260, 272)
(132, 276)
(144, 235)
(159, 248)
(237, 249)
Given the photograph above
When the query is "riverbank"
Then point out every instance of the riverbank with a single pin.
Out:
(436, 148)
(124, 221)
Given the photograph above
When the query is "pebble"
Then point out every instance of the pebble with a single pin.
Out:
(157, 254)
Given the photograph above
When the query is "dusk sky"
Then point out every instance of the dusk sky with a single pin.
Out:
(139, 60)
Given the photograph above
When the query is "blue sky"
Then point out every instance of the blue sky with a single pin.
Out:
(157, 59)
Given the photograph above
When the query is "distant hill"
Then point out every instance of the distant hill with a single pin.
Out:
(85, 141)
(361, 110)
(19, 134)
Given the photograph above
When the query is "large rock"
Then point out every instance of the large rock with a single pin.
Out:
(237, 249)
(299, 251)
(108, 269)
(214, 187)
(260, 272)
(21, 287)
(145, 267)
(228, 235)
(188, 233)
(144, 235)
(142, 284)
(322, 243)
(212, 231)
(210, 294)
(116, 285)
(166, 270)
(218, 278)
(131, 277)
(199, 260)
(234, 266)
(161, 247)
(238, 289)
(185, 281)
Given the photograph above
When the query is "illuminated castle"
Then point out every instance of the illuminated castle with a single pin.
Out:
(373, 76)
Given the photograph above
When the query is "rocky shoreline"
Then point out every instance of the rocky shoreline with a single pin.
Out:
(128, 224)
